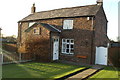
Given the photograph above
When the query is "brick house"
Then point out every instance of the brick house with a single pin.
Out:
(68, 34)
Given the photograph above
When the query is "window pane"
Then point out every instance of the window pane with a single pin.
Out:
(64, 40)
(67, 45)
(68, 24)
(68, 41)
(55, 39)
(34, 30)
(67, 50)
(71, 46)
(65, 24)
(72, 51)
(72, 41)
(64, 46)
(63, 50)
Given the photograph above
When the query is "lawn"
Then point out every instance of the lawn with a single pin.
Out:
(38, 70)
(107, 73)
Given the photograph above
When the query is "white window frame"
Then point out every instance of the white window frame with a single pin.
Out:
(68, 24)
(64, 46)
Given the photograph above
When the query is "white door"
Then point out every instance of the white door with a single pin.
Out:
(101, 55)
(56, 49)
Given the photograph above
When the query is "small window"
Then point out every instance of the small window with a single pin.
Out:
(40, 32)
(89, 18)
(68, 24)
(30, 24)
(37, 31)
(68, 46)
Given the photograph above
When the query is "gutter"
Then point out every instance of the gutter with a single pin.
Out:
(30, 20)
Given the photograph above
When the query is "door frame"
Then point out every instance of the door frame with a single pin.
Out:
(54, 40)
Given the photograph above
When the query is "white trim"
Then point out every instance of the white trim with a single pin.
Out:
(55, 28)
(65, 43)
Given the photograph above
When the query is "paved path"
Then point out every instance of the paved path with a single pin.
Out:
(85, 74)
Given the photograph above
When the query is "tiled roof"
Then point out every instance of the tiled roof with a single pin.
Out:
(89, 10)
(47, 26)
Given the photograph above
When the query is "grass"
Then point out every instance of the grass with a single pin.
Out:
(39, 70)
(107, 73)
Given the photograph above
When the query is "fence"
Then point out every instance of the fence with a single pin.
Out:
(114, 56)
(16, 58)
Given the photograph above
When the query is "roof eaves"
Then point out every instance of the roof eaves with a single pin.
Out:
(56, 18)
(55, 28)
(50, 26)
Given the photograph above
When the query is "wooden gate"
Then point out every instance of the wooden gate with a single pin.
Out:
(101, 55)
(114, 56)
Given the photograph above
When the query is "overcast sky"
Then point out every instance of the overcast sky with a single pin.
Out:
(14, 10)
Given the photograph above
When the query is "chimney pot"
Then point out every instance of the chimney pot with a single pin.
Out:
(99, 2)
(33, 9)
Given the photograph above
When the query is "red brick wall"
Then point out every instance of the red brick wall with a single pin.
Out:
(100, 32)
(100, 29)
(35, 43)
(81, 35)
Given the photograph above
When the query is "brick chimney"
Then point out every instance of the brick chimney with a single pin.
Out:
(99, 2)
(33, 8)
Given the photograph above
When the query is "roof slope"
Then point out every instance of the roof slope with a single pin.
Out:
(89, 10)
(47, 26)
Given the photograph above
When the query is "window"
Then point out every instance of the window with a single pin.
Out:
(68, 46)
(68, 24)
(37, 31)
(30, 24)
(89, 18)
(40, 32)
